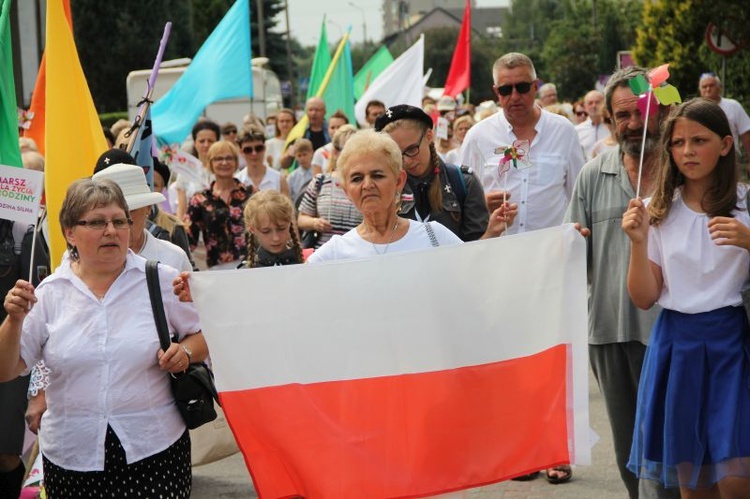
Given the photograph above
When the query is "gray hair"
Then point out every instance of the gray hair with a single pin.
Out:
(547, 86)
(512, 60)
(620, 79)
(87, 194)
(369, 143)
(710, 75)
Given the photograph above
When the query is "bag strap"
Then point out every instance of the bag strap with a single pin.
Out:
(456, 179)
(431, 234)
(157, 306)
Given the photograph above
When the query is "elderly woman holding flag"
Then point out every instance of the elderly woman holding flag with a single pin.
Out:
(112, 425)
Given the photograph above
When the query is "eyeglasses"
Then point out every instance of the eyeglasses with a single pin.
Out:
(582, 113)
(413, 149)
(231, 131)
(522, 88)
(101, 224)
(226, 159)
(258, 149)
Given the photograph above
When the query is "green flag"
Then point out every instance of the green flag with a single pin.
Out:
(320, 63)
(339, 94)
(372, 68)
(9, 152)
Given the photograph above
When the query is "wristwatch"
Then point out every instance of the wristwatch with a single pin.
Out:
(189, 354)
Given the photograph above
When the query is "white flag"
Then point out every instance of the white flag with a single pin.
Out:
(399, 83)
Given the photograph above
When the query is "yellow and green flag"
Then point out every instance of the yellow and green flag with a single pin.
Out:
(321, 61)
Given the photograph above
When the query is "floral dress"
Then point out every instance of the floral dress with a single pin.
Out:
(221, 225)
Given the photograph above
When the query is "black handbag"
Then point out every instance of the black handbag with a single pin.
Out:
(194, 390)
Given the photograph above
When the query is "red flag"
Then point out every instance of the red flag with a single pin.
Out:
(39, 97)
(408, 405)
(459, 76)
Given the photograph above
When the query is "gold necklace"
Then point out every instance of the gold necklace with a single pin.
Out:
(390, 240)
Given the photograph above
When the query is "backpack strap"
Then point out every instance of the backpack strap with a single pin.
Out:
(458, 184)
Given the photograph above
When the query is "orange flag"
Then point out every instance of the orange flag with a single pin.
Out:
(73, 138)
(38, 98)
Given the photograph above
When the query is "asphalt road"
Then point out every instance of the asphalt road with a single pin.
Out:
(601, 480)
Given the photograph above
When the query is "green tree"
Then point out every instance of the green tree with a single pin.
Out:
(674, 31)
(570, 57)
(583, 44)
(114, 39)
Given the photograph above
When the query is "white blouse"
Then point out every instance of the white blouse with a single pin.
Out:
(104, 370)
(699, 275)
(352, 246)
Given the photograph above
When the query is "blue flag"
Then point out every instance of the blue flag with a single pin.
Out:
(220, 70)
(142, 146)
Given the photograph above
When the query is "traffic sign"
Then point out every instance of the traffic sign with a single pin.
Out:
(719, 41)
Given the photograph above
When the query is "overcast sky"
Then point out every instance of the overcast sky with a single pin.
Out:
(305, 17)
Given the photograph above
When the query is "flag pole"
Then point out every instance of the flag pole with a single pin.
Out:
(146, 101)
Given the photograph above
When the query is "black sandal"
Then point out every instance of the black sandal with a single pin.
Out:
(526, 478)
(566, 475)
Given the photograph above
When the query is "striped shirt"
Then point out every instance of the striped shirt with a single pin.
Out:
(330, 202)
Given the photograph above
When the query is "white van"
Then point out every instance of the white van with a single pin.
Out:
(266, 100)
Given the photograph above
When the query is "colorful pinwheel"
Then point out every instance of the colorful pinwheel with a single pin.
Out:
(654, 91)
(513, 152)
(651, 92)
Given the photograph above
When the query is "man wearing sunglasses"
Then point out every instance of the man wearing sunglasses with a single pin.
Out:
(547, 154)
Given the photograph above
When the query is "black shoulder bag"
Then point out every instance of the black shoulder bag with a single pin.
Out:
(193, 390)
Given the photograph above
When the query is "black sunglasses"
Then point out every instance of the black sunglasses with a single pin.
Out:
(522, 88)
(250, 149)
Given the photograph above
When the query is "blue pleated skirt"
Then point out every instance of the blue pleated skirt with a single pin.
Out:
(692, 424)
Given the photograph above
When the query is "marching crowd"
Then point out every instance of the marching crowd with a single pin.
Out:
(669, 341)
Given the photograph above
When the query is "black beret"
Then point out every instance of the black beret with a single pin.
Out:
(111, 157)
(162, 170)
(402, 112)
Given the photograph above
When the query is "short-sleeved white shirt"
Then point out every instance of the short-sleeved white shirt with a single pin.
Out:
(542, 191)
(104, 370)
(274, 148)
(589, 134)
(352, 246)
(322, 156)
(165, 252)
(271, 181)
(699, 276)
(739, 121)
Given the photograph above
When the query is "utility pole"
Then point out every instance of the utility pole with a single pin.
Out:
(364, 22)
(289, 50)
(261, 29)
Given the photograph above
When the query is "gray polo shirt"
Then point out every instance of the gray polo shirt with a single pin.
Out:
(600, 197)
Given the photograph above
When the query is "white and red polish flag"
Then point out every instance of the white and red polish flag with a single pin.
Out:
(405, 375)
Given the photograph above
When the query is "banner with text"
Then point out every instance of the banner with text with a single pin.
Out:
(20, 193)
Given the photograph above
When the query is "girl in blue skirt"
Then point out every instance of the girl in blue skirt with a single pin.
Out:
(689, 254)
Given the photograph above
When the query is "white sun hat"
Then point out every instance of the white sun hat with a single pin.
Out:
(132, 182)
